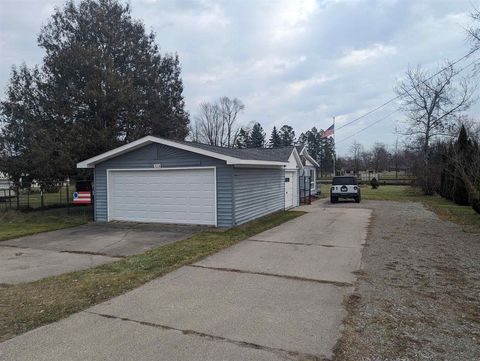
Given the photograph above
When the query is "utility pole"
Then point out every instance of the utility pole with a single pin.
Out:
(396, 154)
(334, 148)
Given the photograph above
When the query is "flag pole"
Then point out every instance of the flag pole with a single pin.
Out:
(334, 152)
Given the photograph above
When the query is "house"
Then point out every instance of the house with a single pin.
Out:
(160, 180)
(4, 182)
(309, 169)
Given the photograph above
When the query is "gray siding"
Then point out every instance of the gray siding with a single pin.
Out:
(257, 192)
(147, 156)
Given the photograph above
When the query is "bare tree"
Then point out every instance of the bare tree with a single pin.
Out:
(194, 133)
(356, 149)
(432, 103)
(217, 123)
(380, 157)
(209, 124)
(230, 110)
(473, 31)
(366, 159)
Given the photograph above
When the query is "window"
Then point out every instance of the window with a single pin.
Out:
(340, 181)
(287, 180)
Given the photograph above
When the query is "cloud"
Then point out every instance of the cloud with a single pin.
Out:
(290, 62)
(301, 85)
(364, 56)
(291, 18)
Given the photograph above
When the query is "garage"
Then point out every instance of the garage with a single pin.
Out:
(159, 180)
(183, 196)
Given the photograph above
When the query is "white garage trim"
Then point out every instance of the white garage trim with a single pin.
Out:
(90, 163)
(160, 170)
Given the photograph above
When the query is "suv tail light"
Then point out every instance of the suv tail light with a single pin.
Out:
(333, 188)
(355, 188)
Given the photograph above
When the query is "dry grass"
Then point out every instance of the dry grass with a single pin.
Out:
(445, 209)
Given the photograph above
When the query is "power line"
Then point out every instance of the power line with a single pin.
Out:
(381, 119)
(400, 95)
(368, 126)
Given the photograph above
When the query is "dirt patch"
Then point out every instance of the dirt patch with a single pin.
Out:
(417, 296)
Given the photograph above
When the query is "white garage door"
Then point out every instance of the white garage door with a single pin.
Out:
(183, 196)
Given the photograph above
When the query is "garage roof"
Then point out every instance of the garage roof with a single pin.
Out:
(249, 156)
(280, 154)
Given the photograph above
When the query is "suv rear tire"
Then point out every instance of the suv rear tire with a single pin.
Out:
(333, 199)
(357, 199)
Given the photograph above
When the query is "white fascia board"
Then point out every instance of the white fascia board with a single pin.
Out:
(311, 160)
(270, 165)
(90, 163)
(297, 157)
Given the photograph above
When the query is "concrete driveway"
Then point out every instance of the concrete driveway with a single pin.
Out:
(51, 253)
(276, 296)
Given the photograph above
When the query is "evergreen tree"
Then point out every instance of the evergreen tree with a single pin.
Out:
(243, 139)
(287, 135)
(456, 161)
(275, 140)
(321, 149)
(103, 82)
(257, 137)
(463, 149)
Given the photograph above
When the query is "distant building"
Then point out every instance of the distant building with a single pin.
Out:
(4, 182)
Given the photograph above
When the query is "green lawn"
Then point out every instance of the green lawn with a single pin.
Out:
(29, 305)
(391, 193)
(444, 208)
(16, 224)
(33, 200)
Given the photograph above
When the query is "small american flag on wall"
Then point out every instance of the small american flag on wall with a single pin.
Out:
(82, 198)
(329, 132)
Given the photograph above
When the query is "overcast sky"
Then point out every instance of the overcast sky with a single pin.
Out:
(291, 62)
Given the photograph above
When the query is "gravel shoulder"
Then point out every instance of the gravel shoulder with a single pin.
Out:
(418, 294)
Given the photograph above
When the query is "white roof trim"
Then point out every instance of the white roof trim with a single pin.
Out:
(297, 157)
(90, 163)
(309, 157)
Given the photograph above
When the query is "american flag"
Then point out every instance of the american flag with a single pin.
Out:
(329, 132)
(82, 198)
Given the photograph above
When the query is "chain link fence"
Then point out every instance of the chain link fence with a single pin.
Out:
(305, 189)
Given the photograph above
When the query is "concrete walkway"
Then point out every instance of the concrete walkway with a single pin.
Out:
(276, 296)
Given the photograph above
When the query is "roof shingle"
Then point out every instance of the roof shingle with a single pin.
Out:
(280, 154)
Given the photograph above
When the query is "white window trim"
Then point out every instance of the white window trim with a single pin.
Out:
(159, 170)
